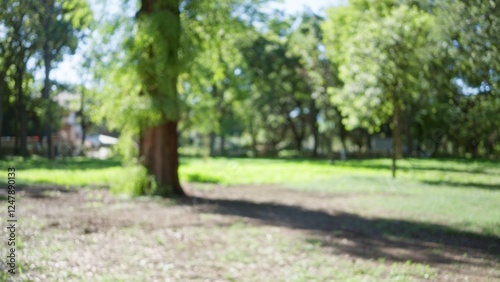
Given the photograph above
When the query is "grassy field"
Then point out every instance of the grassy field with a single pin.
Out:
(464, 194)
(430, 203)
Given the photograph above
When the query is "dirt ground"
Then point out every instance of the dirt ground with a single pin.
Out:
(250, 233)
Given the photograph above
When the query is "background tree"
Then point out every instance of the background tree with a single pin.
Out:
(60, 24)
(470, 30)
(19, 47)
(383, 63)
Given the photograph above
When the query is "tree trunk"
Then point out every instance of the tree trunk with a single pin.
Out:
(298, 143)
(211, 143)
(314, 128)
(368, 141)
(160, 157)
(222, 145)
(315, 140)
(397, 150)
(47, 127)
(253, 134)
(409, 139)
(297, 136)
(2, 85)
(342, 130)
(474, 148)
(159, 142)
(21, 107)
(83, 123)
(329, 146)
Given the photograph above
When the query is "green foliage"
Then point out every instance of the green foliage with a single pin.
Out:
(427, 54)
(60, 26)
(471, 30)
(36, 33)
(225, 70)
(138, 182)
(157, 43)
(386, 53)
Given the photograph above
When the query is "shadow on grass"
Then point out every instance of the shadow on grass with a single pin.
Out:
(454, 184)
(369, 238)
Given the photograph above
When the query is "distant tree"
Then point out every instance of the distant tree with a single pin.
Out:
(213, 83)
(470, 31)
(60, 24)
(319, 75)
(18, 47)
(13, 22)
(383, 51)
(279, 93)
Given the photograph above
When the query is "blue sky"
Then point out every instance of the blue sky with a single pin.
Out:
(294, 6)
(66, 71)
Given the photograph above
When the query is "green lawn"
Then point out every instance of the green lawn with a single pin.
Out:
(462, 194)
(437, 199)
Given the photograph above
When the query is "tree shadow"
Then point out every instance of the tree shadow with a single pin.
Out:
(368, 238)
(485, 186)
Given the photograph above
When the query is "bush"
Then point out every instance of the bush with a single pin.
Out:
(137, 183)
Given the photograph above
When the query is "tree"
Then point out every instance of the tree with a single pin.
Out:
(158, 45)
(59, 25)
(276, 95)
(213, 82)
(18, 47)
(317, 72)
(159, 34)
(280, 93)
(7, 19)
(471, 32)
(382, 50)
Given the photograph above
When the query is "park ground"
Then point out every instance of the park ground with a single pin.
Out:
(259, 220)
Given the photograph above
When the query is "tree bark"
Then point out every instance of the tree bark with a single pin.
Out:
(83, 123)
(253, 134)
(368, 141)
(160, 157)
(297, 136)
(314, 127)
(21, 107)
(222, 147)
(2, 85)
(342, 129)
(47, 127)
(397, 151)
(159, 142)
(211, 143)
(409, 137)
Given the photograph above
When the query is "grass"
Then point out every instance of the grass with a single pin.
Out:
(462, 194)
(70, 172)
(430, 197)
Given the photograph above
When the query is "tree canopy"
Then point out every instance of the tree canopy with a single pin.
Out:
(413, 78)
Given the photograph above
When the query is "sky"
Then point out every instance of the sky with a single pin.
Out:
(67, 73)
(294, 6)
